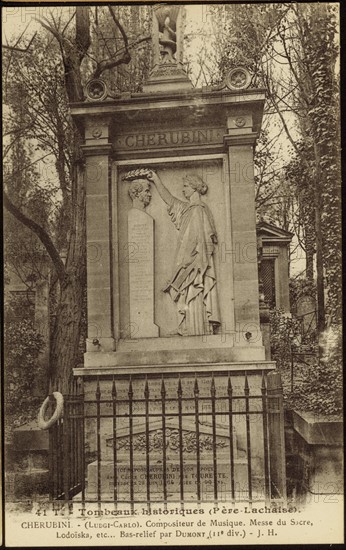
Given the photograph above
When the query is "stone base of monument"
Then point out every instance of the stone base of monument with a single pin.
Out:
(166, 352)
(173, 480)
(169, 77)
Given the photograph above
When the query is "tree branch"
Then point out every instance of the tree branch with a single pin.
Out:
(105, 65)
(83, 39)
(40, 232)
(23, 50)
(124, 59)
(120, 27)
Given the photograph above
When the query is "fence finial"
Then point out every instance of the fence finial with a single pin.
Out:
(114, 389)
(130, 392)
(146, 387)
(163, 388)
(246, 385)
(98, 390)
(229, 386)
(196, 388)
(180, 389)
(212, 386)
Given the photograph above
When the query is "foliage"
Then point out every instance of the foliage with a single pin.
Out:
(22, 346)
(289, 48)
(321, 56)
(320, 390)
(292, 50)
(318, 382)
(107, 43)
(301, 183)
(300, 287)
(284, 329)
(245, 33)
(23, 253)
(40, 82)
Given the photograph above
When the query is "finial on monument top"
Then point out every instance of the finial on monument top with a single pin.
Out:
(168, 72)
(167, 39)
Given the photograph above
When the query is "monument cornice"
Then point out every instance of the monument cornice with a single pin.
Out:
(238, 139)
(182, 368)
(164, 100)
(97, 149)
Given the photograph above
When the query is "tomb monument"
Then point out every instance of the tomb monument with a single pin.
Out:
(172, 275)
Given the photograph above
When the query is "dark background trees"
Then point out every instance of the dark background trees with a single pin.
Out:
(40, 82)
(290, 49)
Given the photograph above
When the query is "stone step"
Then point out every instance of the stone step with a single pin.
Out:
(27, 483)
(30, 437)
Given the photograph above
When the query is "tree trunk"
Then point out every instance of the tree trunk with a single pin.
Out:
(65, 342)
(66, 334)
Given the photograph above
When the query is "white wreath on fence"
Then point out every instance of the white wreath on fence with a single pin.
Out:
(59, 409)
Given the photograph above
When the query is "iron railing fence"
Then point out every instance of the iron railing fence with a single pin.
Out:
(174, 438)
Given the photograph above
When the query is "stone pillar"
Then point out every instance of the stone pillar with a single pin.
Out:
(240, 141)
(99, 244)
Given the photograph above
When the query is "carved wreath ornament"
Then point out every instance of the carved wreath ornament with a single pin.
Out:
(96, 90)
(189, 442)
(238, 79)
(139, 173)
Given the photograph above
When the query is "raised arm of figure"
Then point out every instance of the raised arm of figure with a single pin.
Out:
(162, 190)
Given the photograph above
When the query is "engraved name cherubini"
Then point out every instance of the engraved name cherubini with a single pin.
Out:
(170, 137)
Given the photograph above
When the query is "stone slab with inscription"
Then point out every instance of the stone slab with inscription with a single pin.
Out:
(173, 479)
(146, 422)
(141, 274)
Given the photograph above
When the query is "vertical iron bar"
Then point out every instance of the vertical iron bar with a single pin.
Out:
(72, 437)
(248, 440)
(276, 437)
(66, 450)
(83, 442)
(77, 435)
(213, 419)
(198, 458)
(78, 438)
(147, 440)
(52, 459)
(130, 395)
(265, 439)
(164, 459)
(98, 439)
(115, 461)
(52, 463)
(230, 423)
(60, 452)
(181, 457)
(77, 432)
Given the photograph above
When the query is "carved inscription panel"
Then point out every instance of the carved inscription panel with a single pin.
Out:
(141, 273)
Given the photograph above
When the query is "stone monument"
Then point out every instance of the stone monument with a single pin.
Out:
(172, 264)
(141, 268)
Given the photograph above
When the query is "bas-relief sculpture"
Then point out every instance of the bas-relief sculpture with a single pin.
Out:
(139, 189)
(193, 283)
(140, 227)
(192, 286)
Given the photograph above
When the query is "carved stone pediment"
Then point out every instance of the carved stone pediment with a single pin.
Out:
(172, 440)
